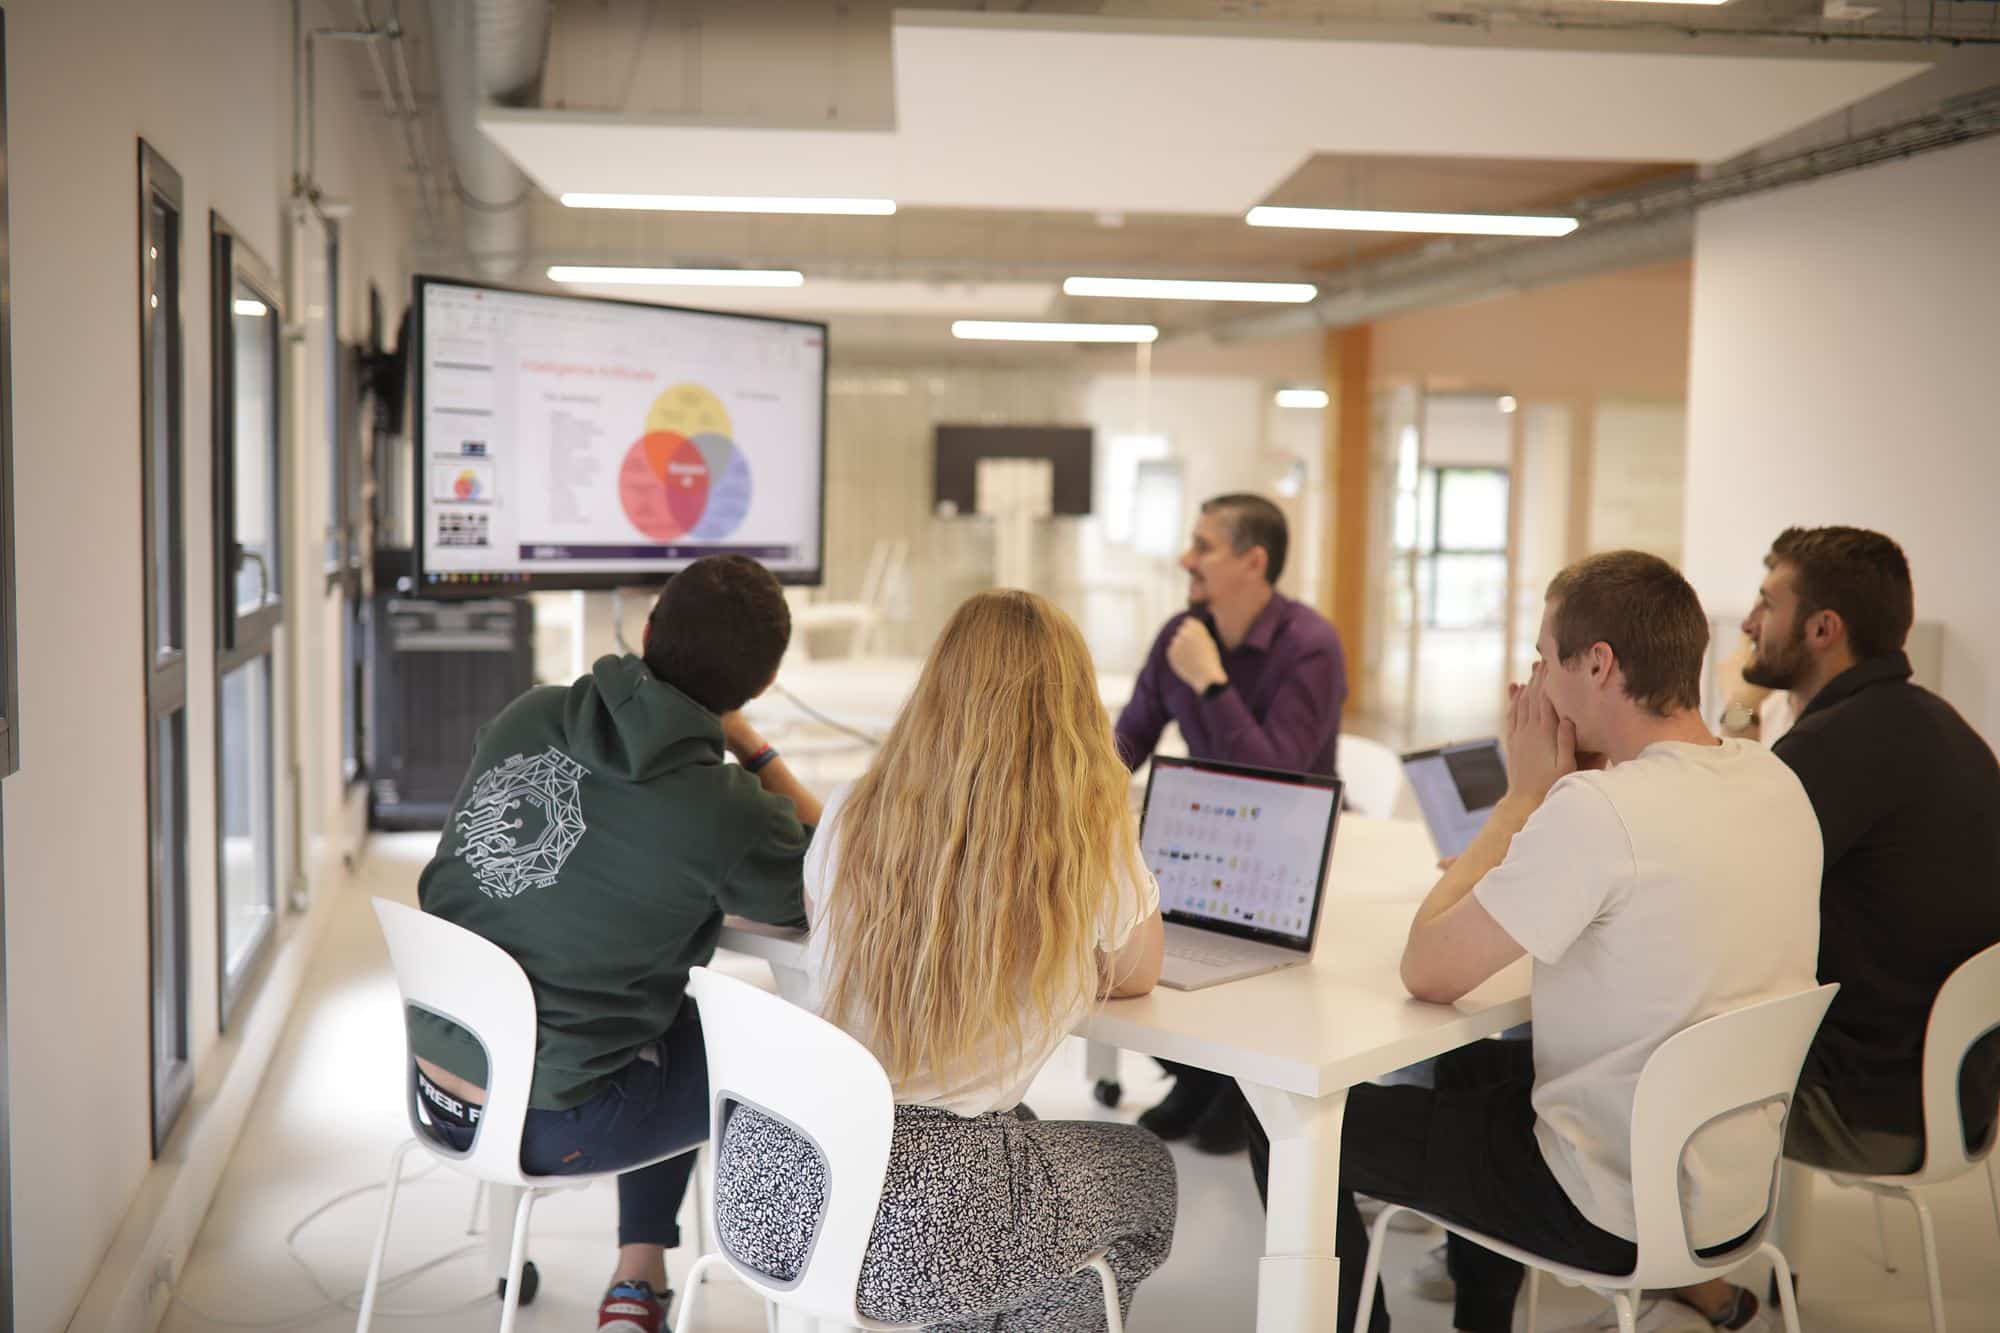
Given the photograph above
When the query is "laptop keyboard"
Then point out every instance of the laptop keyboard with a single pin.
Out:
(1209, 955)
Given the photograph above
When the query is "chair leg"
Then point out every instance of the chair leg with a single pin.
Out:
(501, 1203)
(1882, 1230)
(703, 1241)
(1628, 1322)
(1534, 1297)
(1114, 1321)
(517, 1256)
(382, 1236)
(1788, 1301)
(1793, 1232)
(1371, 1271)
(478, 1202)
(697, 1282)
(1928, 1235)
(1993, 1183)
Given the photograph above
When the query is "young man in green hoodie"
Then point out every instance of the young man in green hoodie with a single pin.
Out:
(599, 839)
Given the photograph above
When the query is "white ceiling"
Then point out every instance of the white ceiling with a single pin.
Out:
(1006, 115)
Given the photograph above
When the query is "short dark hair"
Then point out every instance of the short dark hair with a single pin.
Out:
(1860, 576)
(718, 631)
(1642, 607)
(1252, 521)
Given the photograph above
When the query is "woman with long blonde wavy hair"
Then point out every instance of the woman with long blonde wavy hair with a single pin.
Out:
(972, 894)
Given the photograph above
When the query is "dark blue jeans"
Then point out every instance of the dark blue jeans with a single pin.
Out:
(647, 1109)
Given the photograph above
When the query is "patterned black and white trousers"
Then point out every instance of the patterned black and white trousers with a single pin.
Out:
(983, 1219)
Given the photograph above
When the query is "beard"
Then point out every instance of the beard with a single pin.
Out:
(1782, 670)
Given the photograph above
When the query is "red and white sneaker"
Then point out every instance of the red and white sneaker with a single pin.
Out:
(631, 1307)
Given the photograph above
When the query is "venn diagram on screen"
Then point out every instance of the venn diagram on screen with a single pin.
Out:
(685, 477)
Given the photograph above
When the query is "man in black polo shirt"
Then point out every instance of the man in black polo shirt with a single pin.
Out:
(1908, 799)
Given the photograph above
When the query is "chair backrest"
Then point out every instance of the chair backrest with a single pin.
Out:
(1745, 1058)
(1967, 1008)
(1373, 775)
(794, 1066)
(476, 984)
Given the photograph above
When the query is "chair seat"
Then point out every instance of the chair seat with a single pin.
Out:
(1579, 1277)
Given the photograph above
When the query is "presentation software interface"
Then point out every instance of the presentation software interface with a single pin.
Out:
(566, 436)
(1238, 849)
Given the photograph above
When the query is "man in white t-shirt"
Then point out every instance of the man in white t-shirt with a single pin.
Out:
(1678, 882)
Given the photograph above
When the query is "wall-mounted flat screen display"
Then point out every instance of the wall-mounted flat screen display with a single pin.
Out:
(576, 442)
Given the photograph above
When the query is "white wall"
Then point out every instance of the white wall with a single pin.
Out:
(1224, 430)
(207, 83)
(1637, 476)
(1846, 369)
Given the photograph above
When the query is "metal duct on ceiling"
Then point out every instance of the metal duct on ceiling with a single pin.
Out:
(488, 50)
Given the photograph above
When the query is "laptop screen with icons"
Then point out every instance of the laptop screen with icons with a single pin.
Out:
(1239, 850)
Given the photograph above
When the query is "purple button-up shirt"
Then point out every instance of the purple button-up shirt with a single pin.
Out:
(1287, 682)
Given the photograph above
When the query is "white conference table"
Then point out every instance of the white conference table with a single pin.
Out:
(1296, 1040)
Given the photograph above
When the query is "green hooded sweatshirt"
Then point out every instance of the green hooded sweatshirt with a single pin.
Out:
(599, 838)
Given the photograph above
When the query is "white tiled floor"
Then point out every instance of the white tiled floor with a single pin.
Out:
(328, 1115)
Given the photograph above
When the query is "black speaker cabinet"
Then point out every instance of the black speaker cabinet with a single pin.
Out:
(443, 670)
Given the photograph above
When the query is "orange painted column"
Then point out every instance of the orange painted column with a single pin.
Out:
(1348, 359)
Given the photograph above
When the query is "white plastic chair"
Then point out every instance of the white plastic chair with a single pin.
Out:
(1749, 1057)
(1372, 774)
(468, 979)
(787, 1063)
(1967, 1008)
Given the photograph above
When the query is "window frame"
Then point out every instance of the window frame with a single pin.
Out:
(10, 732)
(243, 639)
(165, 671)
(10, 699)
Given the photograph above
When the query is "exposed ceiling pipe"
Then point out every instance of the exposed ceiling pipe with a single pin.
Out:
(488, 50)
(1391, 287)
(1640, 226)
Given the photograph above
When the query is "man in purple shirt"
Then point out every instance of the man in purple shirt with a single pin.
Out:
(1252, 677)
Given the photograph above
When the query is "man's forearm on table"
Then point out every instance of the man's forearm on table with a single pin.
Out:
(1486, 851)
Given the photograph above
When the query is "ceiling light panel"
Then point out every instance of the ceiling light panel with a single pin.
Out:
(993, 330)
(1435, 224)
(677, 277)
(1174, 289)
(731, 203)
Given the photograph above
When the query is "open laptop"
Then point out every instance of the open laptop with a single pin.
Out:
(1457, 787)
(1241, 855)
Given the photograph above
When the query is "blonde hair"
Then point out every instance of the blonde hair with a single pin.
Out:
(984, 850)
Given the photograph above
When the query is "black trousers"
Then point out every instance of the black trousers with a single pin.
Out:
(1464, 1151)
(1189, 1077)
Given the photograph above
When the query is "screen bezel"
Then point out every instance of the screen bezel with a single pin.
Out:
(1238, 929)
(582, 580)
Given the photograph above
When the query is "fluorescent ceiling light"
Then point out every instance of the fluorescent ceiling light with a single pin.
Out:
(1000, 330)
(678, 277)
(731, 203)
(1302, 398)
(1441, 224)
(1172, 289)
(244, 306)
